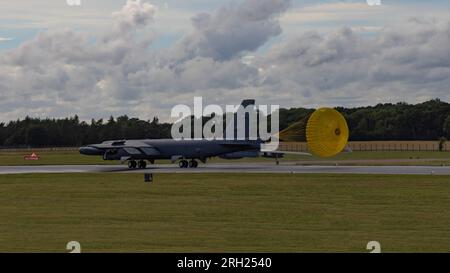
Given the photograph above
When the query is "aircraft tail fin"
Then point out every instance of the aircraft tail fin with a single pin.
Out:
(247, 102)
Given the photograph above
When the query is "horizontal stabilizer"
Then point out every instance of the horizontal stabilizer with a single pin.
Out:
(286, 152)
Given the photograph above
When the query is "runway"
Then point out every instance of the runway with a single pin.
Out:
(231, 168)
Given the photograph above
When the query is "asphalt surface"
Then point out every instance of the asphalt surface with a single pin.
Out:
(231, 168)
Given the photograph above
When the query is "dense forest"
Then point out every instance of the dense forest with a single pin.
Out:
(71, 132)
(426, 121)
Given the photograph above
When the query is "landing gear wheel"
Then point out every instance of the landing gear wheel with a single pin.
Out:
(183, 164)
(132, 164)
(193, 164)
(142, 164)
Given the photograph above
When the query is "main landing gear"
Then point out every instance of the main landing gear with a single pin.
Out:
(188, 164)
(140, 164)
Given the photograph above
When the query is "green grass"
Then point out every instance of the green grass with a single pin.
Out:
(391, 155)
(56, 157)
(74, 158)
(384, 158)
(224, 213)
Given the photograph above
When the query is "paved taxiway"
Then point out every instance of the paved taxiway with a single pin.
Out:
(231, 168)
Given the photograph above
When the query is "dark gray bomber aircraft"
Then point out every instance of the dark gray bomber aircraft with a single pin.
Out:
(138, 152)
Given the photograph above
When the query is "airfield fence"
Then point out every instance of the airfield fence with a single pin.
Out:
(41, 149)
(376, 146)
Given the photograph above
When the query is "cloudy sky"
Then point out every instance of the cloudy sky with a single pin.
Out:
(114, 57)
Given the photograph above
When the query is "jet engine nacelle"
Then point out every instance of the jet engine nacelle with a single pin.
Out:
(90, 151)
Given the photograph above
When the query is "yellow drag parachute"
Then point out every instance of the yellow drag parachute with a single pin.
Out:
(325, 131)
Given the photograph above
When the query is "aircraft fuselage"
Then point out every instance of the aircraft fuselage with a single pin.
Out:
(153, 149)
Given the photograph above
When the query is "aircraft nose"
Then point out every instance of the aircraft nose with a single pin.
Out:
(90, 151)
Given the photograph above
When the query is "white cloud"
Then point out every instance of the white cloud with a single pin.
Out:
(232, 29)
(66, 72)
(332, 11)
(342, 67)
(135, 13)
(3, 39)
(360, 16)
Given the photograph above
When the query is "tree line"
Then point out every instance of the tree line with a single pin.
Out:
(425, 121)
(401, 121)
(71, 131)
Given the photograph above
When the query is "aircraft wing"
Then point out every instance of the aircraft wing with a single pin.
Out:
(130, 147)
(120, 144)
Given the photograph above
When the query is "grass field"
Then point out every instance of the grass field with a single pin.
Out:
(56, 157)
(217, 213)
